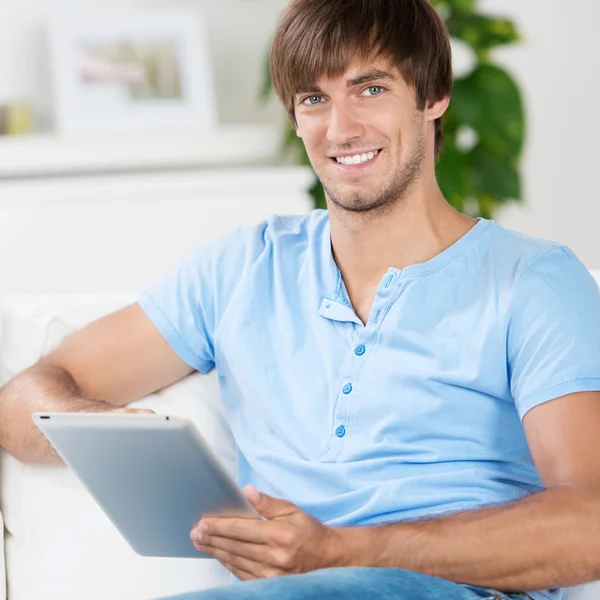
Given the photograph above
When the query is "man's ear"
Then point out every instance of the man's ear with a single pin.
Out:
(437, 109)
(298, 132)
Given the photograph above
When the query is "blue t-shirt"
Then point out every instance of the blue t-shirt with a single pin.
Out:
(416, 413)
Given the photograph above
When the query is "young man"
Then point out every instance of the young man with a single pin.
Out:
(415, 393)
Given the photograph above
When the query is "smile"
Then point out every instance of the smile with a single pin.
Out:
(355, 163)
(357, 159)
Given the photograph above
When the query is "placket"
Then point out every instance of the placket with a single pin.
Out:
(350, 390)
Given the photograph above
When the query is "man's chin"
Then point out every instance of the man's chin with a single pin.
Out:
(355, 203)
(358, 207)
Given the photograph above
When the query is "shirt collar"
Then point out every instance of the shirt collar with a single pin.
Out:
(336, 304)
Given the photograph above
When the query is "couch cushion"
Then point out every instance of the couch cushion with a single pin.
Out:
(59, 544)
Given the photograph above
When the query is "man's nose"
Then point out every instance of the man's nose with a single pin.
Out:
(344, 125)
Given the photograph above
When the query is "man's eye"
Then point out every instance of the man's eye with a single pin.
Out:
(374, 90)
(312, 100)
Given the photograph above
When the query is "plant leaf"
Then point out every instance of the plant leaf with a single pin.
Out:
(454, 174)
(482, 32)
(489, 101)
(460, 6)
(494, 176)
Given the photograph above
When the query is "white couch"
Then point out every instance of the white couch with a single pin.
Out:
(97, 234)
(58, 544)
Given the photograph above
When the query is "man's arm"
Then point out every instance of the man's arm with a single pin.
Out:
(547, 540)
(106, 365)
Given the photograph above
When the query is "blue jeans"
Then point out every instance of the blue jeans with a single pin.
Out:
(351, 583)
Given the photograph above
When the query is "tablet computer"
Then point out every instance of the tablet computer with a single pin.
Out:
(153, 475)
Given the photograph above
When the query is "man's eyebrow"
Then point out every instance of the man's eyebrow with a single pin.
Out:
(373, 75)
(309, 90)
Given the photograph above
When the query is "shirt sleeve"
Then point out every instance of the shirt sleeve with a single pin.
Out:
(554, 330)
(186, 305)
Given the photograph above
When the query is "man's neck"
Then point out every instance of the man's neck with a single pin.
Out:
(365, 246)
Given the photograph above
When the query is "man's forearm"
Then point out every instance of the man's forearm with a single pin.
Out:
(547, 540)
(43, 388)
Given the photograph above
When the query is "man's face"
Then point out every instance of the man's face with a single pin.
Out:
(369, 118)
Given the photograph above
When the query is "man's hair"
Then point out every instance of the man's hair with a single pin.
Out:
(318, 38)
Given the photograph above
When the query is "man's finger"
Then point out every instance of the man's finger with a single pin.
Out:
(250, 568)
(267, 506)
(238, 572)
(245, 530)
(255, 552)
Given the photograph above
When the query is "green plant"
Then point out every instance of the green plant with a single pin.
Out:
(486, 109)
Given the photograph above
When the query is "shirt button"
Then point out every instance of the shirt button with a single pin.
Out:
(340, 431)
(347, 388)
(359, 350)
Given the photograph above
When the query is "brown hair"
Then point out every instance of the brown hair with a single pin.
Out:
(319, 38)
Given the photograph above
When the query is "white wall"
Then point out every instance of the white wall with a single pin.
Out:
(559, 76)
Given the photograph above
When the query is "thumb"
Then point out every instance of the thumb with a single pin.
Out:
(266, 505)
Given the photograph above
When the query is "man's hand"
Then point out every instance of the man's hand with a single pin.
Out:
(287, 541)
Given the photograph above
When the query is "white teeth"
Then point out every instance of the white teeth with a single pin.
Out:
(357, 158)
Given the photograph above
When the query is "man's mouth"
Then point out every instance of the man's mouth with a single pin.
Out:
(356, 159)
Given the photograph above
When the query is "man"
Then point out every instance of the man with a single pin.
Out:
(415, 393)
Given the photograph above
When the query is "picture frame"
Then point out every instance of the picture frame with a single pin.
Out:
(131, 73)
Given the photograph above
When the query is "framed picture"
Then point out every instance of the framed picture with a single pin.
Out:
(143, 72)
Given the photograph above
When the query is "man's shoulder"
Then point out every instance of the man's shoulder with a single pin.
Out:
(238, 249)
(277, 234)
(520, 252)
(279, 228)
(533, 266)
